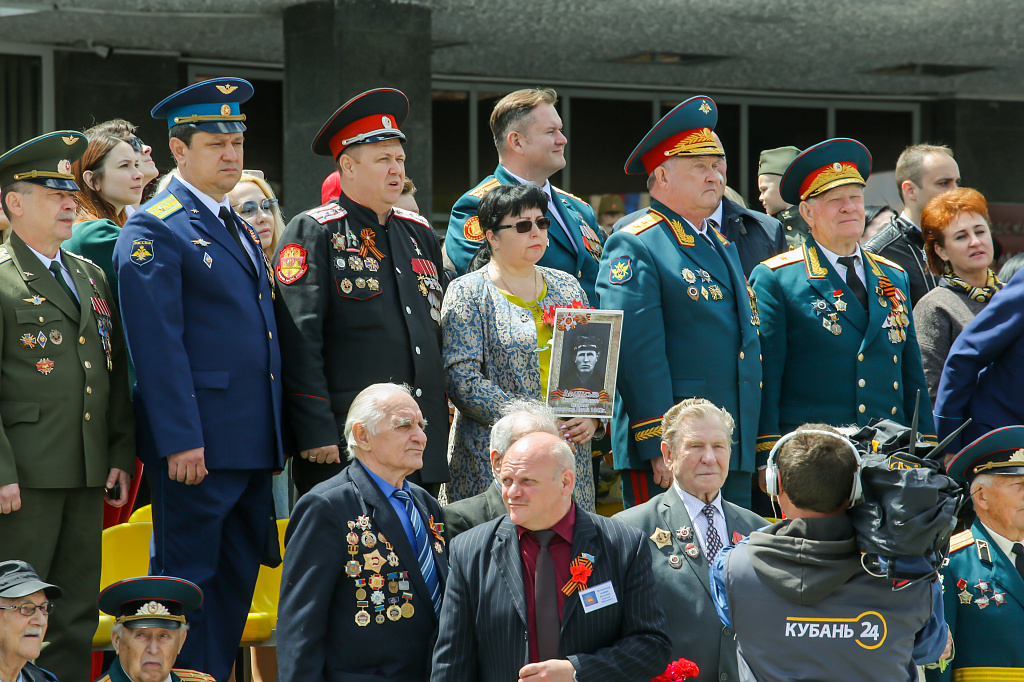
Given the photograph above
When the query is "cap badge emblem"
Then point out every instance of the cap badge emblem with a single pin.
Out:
(227, 89)
(64, 166)
(705, 107)
(837, 167)
(225, 110)
(1018, 456)
(68, 139)
(386, 122)
(153, 608)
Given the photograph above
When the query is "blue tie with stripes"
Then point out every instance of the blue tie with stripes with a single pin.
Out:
(422, 547)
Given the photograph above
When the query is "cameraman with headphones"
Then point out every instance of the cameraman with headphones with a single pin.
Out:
(797, 593)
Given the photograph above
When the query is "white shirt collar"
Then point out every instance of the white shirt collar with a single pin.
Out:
(46, 261)
(717, 215)
(1004, 544)
(546, 186)
(906, 217)
(833, 258)
(207, 201)
(695, 505)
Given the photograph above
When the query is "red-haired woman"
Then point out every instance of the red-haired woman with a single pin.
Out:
(109, 179)
(958, 244)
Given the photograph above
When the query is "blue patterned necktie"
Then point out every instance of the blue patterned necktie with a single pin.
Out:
(712, 540)
(423, 553)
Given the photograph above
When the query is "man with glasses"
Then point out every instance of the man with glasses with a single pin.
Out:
(531, 148)
(25, 608)
(359, 294)
(68, 430)
(690, 319)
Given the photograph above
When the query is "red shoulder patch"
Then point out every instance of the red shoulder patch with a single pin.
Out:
(291, 264)
(471, 229)
(326, 213)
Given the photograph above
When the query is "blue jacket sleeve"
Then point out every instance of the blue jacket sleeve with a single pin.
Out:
(717, 579)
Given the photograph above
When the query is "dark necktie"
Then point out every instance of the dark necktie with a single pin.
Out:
(229, 224)
(423, 554)
(545, 599)
(853, 281)
(58, 272)
(712, 541)
(711, 225)
(1018, 552)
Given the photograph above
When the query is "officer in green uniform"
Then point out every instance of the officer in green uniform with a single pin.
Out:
(68, 430)
(982, 587)
(770, 166)
(149, 628)
(836, 334)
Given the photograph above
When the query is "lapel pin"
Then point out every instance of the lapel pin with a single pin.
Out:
(692, 551)
(661, 537)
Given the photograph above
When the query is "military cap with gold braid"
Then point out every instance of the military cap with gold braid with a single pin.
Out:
(44, 160)
(373, 116)
(826, 165)
(211, 106)
(1000, 452)
(684, 131)
(150, 601)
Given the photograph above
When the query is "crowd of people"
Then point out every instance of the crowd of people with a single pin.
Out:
(200, 340)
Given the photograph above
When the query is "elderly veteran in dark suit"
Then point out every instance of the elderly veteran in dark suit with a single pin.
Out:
(68, 430)
(521, 417)
(365, 564)
(150, 628)
(25, 608)
(549, 592)
(678, 279)
(689, 523)
(830, 304)
(983, 580)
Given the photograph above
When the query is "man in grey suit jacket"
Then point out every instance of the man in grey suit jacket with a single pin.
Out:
(521, 417)
(608, 625)
(696, 444)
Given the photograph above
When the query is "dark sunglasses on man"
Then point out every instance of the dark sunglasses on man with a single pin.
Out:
(247, 209)
(526, 226)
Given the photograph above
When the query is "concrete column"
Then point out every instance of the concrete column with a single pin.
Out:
(335, 49)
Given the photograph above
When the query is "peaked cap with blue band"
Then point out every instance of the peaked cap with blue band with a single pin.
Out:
(826, 165)
(44, 160)
(373, 116)
(150, 601)
(1000, 451)
(684, 131)
(212, 106)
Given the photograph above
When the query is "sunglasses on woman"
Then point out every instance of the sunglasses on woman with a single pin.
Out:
(247, 209)
(137, 144)
(526, 226)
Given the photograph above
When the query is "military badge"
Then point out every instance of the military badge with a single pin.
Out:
(471, 229)
(620, 270)
(693, 293)
(56, 337)
(689, 276)
(429, 285)
(201, 242)
(44, 366)
(372, 562)
(661, 537)
(41, 339)
(346, 285)
(338, 241)
(207, 260)
(35, 300)
(291, 264)
(684, 533)
(674, 561)
(373, 284)
(371, 264)
(965, 597)
(692, 551)
(28, 341)
(142, 251)
(339, 262)
(355, 263)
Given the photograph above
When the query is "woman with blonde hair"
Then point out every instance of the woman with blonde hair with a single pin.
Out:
(253, 199)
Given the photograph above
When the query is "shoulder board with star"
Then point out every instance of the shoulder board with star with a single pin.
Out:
(568, 194)
(721, 237)
(483, 189)
(794, 256)
(79, 257)
(326, 213)
(642, 223)
(961, 540)
(886, 261)
(192, 675)
(409, 215)
(4, 255)
(166, 207)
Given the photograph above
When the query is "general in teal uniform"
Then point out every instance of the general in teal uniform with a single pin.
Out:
(836, 350)
(688, 327)
(982, 588)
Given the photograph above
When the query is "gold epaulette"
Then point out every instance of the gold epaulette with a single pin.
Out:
(886, 261)
(5, 255)
(642, 223)
(483, 189)
(568, 194)
(192, 675)
(794, 256)
(961, 540)
(168, 206)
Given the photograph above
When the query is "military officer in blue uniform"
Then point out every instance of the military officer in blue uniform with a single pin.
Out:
(836, 333)
(982, 585)
(149, 628)
(528, 134)
(689, 329)
(197, 302)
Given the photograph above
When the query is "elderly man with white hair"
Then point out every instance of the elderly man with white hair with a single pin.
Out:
(365, 562)
(26, 603)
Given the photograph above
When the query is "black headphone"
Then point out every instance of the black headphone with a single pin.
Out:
(772, 473)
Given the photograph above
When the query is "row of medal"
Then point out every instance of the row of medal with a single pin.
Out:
(829, 313)
(356, 263)
(386, 607)
(966, 597)
(370, 283)
(712, 292)
(897, 320)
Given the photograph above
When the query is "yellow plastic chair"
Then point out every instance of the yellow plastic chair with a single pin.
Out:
(262, 620)
(125, 555)
(142, 515)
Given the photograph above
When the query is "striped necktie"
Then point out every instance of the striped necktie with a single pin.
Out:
(423, 553)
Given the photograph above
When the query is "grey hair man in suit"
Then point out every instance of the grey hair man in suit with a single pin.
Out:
(519, 418)
(550, 592)
(696, 443)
